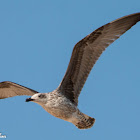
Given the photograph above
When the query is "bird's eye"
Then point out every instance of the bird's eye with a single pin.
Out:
(41, 96)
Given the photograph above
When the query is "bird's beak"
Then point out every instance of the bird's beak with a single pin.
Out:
(29, 99)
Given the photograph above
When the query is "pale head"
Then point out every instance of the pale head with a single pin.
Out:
(38, 98)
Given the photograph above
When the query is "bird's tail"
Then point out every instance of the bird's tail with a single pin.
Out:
(85, 121)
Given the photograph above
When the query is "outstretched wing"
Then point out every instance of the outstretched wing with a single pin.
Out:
(10, 89)
(88, 50)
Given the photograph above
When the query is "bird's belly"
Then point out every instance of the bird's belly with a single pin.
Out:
(61, 111)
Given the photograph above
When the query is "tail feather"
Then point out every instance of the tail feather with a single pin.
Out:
(85, 122)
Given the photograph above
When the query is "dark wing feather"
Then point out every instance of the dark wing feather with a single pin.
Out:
(88, 50)
(10, 89)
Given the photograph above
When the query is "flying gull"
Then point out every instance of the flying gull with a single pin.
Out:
(63, 101)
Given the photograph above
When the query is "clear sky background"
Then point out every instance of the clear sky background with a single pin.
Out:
(36, 41)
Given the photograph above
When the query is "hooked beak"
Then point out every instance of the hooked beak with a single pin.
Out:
(29, 99)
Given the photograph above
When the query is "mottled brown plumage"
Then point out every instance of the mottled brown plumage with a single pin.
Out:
(87, 51)
(62, 102)
(10, 89)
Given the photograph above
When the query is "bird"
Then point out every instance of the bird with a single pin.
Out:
(63, 101)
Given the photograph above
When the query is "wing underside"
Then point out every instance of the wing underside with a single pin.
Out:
(10, 89)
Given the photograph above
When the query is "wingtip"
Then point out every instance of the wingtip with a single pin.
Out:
(137, 15)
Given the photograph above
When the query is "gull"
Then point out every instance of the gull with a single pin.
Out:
(63, 101)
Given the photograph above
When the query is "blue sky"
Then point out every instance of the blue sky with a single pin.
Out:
(36, 41)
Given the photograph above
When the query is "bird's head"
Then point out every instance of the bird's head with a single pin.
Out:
(38, 98)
